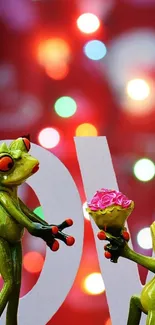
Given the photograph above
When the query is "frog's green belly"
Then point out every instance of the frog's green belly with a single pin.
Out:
(9, 228)
(148, 296)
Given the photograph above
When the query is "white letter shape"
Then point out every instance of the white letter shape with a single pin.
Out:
(121, 279)
(60, 200)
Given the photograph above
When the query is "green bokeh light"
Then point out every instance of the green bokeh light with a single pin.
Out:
(39, 212)
(65, 106)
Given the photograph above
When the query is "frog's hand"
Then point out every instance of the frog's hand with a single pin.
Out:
(30, 214)
(9, 206)
(114, 249)
(68, 240)
(152, 228)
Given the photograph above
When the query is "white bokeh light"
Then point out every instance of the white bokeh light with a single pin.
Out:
(144, 169)
(48, 138)
(86, 214)
(93, 284)
(88, 23)
(138, 89)
(128, 53)
(144, 238)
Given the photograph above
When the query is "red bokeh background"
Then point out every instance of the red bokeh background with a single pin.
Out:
(129, 137)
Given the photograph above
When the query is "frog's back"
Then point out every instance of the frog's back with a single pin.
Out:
(9, 228)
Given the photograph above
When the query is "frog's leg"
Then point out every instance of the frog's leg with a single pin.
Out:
(151, 318)
(11, 316)
(135, 311)
(6, 270)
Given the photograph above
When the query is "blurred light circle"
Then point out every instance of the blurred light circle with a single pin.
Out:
(88, 23)
(144, 238)
(25, 111)
(86, 129)
(49, 138)
(39, 212)
(7, 75)
(65, 106)
(30, 107)
(95, 50)
(108, 322)
(93, 284)
(33, 262)
(85, 213)
(128, 54)
(53, 51)
(144, 169)
(138, 89)
(19, 15)
(57, 71)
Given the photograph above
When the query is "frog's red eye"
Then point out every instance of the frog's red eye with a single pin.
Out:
(6, 163)
(27, 143)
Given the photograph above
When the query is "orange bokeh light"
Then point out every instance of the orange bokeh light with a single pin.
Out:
(53, 51)
(108, 322)
(33, 262)
(86, 129)
(57, 71)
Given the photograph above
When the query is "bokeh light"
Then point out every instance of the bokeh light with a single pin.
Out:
(53, 51)
(8, 76)
(86, 129)
(95, 50)
(25, 108)
(138, 89)
(49, 138)
(144, 169)
(108, 322)
(33, 262)
(88, 23)
(19, 15)
(128, 54)
(65, 106)
(57, 71)
(144, 238)
(39, 212)
(85, 213)
(93, 284)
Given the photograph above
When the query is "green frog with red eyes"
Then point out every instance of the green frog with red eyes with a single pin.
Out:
(16, 165)
(110, 209)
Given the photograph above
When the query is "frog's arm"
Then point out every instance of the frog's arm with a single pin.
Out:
(19, 216)
(146, 261)
(30, 214)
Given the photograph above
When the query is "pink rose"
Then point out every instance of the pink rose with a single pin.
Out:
(105, 198)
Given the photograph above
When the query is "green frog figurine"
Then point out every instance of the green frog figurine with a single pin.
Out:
(110, 209)
(16, 165)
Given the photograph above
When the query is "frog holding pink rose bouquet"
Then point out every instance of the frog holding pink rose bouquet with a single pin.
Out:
(110, 210)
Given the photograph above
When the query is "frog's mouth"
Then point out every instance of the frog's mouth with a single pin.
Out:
(35, 168)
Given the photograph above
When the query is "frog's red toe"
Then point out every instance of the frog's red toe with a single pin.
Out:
(101, 235)
(54, 230)
(107, 254)
(55, 246)
(70, 241)
(126, 235)
(69, 222)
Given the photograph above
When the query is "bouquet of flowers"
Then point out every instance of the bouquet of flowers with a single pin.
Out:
(110, 210)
